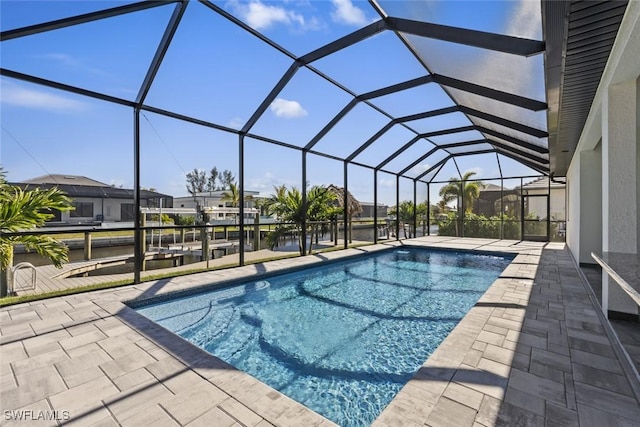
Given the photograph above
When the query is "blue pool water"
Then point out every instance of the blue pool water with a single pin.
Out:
(343, 338)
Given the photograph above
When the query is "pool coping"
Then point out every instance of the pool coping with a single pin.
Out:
(457, 381)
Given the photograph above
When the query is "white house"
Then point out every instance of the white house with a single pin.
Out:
(217, 210)
(538, 191)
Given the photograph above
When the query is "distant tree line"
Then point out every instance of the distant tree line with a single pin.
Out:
(198, 180)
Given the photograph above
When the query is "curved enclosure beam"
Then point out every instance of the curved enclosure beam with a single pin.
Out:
(498, 95)
(343, 42)
(65, 87)
(538, 133)
(481, 39)
(83, 19)
(169, 32)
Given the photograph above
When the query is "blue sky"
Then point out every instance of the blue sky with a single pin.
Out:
(217, 72)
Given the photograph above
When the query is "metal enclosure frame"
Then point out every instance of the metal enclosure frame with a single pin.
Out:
(532, 155)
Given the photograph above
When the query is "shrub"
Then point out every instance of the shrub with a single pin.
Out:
(481, 226)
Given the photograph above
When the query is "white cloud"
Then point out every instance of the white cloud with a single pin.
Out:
(287, 109)
(262, 16)
(236, 123)
(265, 183)
(347, 13)
(17, 95)
(69, 61)
(387, 182)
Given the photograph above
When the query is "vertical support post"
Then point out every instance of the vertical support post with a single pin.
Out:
(549, 210)
(375, 206)
(501, 208)
(397, 207)
(160, 229)
(143, 237)
(415, 209)
(461, 208)
(204, 239)
(241, 191)
(346, 205)
(87, 246)
(304, 205)
(428, 210)
(256, 232)
(138, 244)
(521, 211)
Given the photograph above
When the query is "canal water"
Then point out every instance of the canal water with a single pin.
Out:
(100, 251)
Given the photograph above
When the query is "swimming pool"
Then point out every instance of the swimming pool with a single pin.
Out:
(342, 338)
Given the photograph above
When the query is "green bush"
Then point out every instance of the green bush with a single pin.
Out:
(184, 220)
(481, 226)
(447, 227)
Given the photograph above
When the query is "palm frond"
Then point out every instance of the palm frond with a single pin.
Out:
(25, 210)
(47, 246)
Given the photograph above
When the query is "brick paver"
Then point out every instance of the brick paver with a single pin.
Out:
(533, 351)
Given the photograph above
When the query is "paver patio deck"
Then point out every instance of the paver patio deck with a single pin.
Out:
(533, 351)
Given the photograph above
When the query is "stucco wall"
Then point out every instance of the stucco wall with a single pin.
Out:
(573, 207)
(590, 204)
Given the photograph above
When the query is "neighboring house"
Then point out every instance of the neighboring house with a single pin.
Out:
(538, 205)
(95, 201)
(217, 210)
(493, 200)
(367, 210)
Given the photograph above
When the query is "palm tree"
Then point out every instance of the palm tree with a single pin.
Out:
(321, 207)
(22, 210)
(286, 205)
(464, 192)
(404, 215)
(232, 195)
(422, 213)
(470, 191)
(353, 207)
(442, 205)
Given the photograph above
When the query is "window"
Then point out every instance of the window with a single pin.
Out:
(82, 210)
(127, 212)
(57, 215)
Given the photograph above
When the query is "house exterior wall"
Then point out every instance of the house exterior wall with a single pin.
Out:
(214, 200)
(111, 211)
(368, 211)
(614, 120)
(539, 204)
(573, 207)
(68, 218)
(584, 196)
(104, 210)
